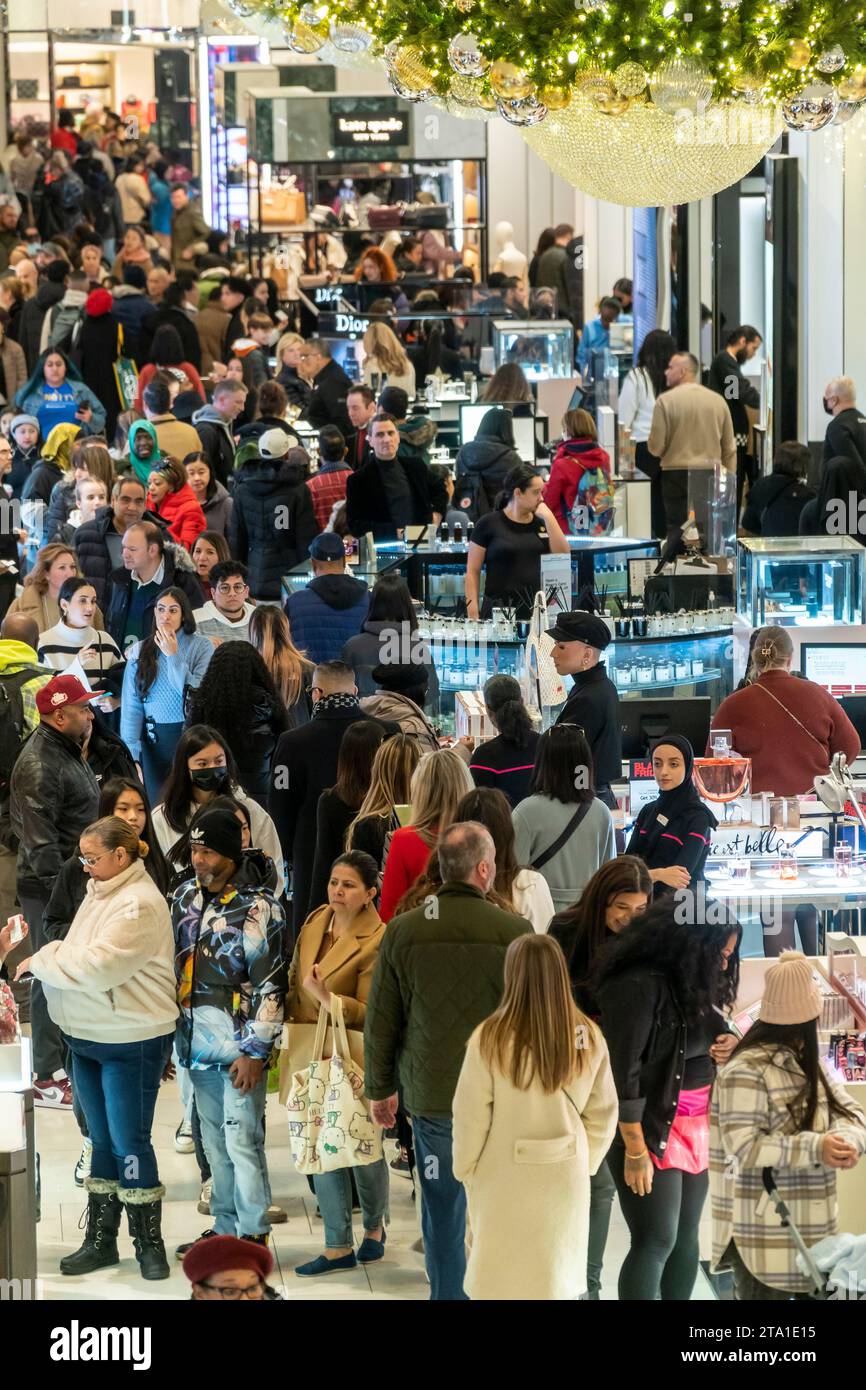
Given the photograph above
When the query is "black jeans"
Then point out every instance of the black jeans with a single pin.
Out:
(675, 495)
(601, 1194)
(779, 930)
(748, 1289)
(47, 1049)
(663, 1260)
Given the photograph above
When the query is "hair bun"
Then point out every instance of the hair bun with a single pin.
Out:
(143, 849)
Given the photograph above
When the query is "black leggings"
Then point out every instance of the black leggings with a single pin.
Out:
(779, 930)
(663, 1260)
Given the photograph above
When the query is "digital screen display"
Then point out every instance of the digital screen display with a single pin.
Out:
(839, 669)
(523, 426)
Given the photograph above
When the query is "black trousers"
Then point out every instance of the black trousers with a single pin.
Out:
(47, 1048)
(779, 933)
(663, 1260)
(601, 1195)
(651, 466)
(675, 496)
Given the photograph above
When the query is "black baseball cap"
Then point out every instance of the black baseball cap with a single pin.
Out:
(581, 626)
(328, 546)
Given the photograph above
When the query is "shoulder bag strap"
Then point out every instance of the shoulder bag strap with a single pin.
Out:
(547, 854)
(793, 716)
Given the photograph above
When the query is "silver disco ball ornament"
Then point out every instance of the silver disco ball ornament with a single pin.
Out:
(240, 9)
(681, 84)
(309, 15)
(350, 38)
(524, 111)
(811, 109)
(831, 60)
(399, 90)
(846, 111)
(465, 56)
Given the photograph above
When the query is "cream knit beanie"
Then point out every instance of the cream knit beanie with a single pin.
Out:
(790, 993)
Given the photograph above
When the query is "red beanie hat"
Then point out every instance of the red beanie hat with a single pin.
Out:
(99, 302)
(218, 1253)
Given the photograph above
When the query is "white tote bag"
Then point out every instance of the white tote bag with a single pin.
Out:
(329, 1117)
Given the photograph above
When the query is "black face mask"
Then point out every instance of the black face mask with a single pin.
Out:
(210, 779)
(827, 407)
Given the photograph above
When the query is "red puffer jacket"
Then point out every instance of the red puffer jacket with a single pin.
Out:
(182, 514)
(574, 457)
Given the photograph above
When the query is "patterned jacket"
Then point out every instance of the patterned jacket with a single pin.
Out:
(230, 965)
(752, 1128)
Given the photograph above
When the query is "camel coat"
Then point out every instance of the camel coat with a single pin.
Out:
(525, 1159)
(347, 969)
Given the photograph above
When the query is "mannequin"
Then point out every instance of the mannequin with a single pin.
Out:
(509, 260)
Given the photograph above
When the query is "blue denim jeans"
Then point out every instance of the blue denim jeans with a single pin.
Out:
(233, 1133)
(443, 1207)
(334, 1191)
(117, 1085)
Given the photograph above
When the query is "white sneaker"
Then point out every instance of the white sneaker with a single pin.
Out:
(203, 1205)
(183, 1140)
(82, 1167)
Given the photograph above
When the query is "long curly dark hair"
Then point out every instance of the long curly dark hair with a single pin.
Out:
(237, 692)
(688, 953)
(149, 653)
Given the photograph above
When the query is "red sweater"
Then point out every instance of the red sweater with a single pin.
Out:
(573, 458)
(182, 513)
(785, 760)
(407, 859)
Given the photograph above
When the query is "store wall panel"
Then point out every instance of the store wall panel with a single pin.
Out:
(96, 14)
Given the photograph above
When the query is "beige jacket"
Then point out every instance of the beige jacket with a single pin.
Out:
(111, 980)
(14, 368)
(176, 437)
(525, 1159)
(691, 428)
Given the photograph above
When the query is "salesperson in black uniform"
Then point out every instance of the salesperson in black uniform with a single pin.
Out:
(593, 703)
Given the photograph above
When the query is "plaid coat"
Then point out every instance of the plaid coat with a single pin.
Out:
(751, 1128)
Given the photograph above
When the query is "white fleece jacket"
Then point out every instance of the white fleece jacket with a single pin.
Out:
(112, 979)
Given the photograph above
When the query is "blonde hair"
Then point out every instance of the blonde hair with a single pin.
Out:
(271, 636)
(439, 783)
(533, 1035)
(390, 779)
(772, 650)
(286, 341)
(38, 577)
(383, 344)
(114, 833)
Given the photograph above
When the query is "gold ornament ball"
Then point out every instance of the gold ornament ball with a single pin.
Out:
(464, 6)
(411, 70)
(509, 81)
(629, 79)
(610, 105)
(303, 38)
(853, 88)
(554, 98)
(799, 54)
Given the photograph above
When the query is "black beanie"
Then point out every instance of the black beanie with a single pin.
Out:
(57, 271)
(410, 679)
(218, 829)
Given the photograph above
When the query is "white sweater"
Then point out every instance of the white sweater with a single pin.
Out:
(112, 979)
(263, 834)
(636, 403)
(532, 899)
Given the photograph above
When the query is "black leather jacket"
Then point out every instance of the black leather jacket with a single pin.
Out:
(54, 796)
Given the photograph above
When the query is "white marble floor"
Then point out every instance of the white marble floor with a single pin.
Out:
(400, 1275)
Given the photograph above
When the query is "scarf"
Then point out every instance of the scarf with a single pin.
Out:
(675, 803)
(58, 445)
(333, 702)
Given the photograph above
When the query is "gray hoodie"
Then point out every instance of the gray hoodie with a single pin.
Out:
(59, 323)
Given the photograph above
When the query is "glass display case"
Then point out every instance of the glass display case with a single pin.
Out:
(465, 655)
(602, 562)
(679, 665)
(543, 348)
(800, 581)
(300, 576)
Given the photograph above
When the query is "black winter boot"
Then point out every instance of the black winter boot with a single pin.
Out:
(100, 1237)
(144, 1214)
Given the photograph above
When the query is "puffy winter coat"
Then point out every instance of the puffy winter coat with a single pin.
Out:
(182, 514)
(272, 521)
(480, 472)
(91, 547)
(326, 614)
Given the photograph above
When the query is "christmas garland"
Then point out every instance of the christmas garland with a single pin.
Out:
(523, 50)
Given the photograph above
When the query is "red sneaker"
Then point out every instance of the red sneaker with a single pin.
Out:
(53, 1094)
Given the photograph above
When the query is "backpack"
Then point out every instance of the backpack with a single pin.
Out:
(12, 736)
(591, 511)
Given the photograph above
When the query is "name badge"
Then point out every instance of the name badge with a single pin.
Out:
(662, 820)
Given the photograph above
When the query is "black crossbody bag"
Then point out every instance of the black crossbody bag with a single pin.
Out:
(547, 854)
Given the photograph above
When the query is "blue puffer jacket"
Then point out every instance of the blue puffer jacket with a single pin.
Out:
(230, 964)
(323, 617)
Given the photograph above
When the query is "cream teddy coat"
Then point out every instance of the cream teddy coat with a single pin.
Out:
(525, 1159)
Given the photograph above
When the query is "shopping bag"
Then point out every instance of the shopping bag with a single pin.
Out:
(330, 1126)
(125, 375)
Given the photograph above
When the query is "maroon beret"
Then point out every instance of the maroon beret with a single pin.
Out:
(219, 1253)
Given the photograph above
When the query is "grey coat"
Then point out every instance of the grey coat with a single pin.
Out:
(538, 820)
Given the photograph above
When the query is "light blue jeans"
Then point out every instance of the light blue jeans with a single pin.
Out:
(233, 1134)
(334, 1191)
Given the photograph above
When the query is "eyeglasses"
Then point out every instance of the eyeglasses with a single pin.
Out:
(231, 588)
(231, 1293)
(87, 861)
